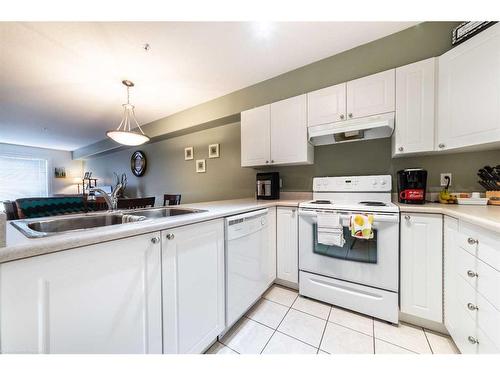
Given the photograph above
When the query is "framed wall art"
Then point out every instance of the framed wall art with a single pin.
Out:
(138, 163)
(188, 153)
(201, 166)
(213, 150)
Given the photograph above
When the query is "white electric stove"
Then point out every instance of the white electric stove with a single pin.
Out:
(362, 275)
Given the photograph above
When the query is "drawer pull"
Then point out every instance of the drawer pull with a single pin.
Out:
(471, 273)
(170, 236)
(155, 240)
(472, 307)
(472, 241)
(473, 340)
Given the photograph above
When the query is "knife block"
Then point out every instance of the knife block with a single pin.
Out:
(493, 194)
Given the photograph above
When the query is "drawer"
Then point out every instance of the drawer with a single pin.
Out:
(483, 278)
(481, 243)
(485, 316)
(375, 302)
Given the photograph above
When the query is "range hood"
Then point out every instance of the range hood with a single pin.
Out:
(380, 126)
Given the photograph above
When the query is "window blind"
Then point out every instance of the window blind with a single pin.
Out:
(22, 178)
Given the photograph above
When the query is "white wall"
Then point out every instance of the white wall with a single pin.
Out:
(55, 158)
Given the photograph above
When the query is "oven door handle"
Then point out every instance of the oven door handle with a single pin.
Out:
(376, 218)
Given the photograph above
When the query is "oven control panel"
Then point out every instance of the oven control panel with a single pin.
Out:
(380, 183)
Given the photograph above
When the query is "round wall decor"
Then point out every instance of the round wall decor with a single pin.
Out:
(138, 163)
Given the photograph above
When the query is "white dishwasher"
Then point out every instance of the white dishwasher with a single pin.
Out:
(247, 262)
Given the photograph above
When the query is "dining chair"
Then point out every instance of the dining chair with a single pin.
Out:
(130, 203)
(172, 199)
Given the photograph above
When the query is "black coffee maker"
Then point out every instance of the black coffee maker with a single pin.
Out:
(268, 185)
(412, 185)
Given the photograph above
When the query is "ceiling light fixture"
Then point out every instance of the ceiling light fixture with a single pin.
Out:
(124, 134)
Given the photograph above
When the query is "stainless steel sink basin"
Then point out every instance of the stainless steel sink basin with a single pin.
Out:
(161, 212)
(35, 228)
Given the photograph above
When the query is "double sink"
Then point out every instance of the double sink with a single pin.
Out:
(36, 228)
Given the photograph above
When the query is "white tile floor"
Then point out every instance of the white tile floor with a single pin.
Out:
(283, 322)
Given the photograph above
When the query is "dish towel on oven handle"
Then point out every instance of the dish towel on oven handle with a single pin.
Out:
(361, 226)
(329, 229)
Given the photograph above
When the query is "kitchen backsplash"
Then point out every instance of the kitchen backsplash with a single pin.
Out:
(168, 172)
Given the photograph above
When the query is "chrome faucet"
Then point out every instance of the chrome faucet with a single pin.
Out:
(111, 200)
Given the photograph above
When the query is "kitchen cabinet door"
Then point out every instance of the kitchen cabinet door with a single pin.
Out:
(289, 143)
(421, 266)
(193, 286)
(287, 244)
(103, 298)
(256, 136)
(415, 96)
(371, 95)
(271, 255)
(469, 93)
(326, 105)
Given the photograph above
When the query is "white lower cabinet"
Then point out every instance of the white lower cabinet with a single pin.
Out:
(271, 259)
(103, 298)
(193, 286)
(472, 313)
(287, 244)
(421, 266)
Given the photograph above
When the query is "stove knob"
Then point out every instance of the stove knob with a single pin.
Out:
(382, 182)
(374, 183)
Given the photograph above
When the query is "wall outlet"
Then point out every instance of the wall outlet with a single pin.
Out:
(443, 179)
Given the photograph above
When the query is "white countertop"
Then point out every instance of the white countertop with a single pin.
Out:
(485, 216)
(19, 246)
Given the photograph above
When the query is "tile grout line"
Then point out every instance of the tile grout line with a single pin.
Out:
(324, 329)
(399, 346)
(428, 342)
(281, 321)
(373, 331)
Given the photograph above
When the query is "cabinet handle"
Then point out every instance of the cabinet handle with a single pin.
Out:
(272, 161)
(350, 115)
(407, 217)
(400, 148)
(155, 240)
(170, 236)
(472, 307)
(267, 161)
(441, 145)
(472, 241)
(471, 273)
(473, 340)
(342, 117)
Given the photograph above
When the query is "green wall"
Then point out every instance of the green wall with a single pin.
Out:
(225, 179)
(168, 172)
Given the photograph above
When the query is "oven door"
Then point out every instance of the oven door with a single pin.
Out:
(373, 262)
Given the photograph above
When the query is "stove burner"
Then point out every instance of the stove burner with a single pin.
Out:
(321, 201)
(372, 203)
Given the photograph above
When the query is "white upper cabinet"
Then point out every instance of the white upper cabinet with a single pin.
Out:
(256, 136)
(469, 93)
(276, 134)
(326, 105)
(103, 298)
(415, 102)
(371, 95)
(289, 143)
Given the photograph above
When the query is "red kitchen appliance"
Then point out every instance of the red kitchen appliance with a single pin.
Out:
(412, 185)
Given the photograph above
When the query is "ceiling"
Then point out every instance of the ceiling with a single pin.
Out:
(61, 81)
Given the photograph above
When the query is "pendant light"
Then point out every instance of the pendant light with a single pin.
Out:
(124, 134)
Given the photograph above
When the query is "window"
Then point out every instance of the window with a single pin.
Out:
(22, 177)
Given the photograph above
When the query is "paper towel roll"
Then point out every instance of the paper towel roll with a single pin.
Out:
(3, 224)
